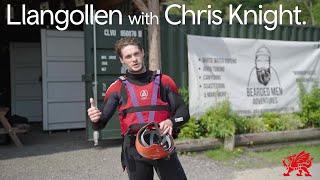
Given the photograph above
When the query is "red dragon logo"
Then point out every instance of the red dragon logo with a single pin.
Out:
(301, 162)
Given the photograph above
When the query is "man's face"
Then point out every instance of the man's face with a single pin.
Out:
(133, 59)
(262, 62)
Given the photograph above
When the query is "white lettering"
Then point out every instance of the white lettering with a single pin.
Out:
(103, 16)
(269, 17)
(9, 17)
(43, 14)
(112, 57)
(166, 14)
(135, 19)
(270, 22)
(281, 13)
(33, 16)
(63, 17)
(297, 11)
(72, 17)
(128, 33)
(184, 14)
(65, 20)
(234, 14)
(119, 16)
(110, 32)
(215, 16)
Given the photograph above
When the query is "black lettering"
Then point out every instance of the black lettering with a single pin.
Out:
(216, 94)
(250, 92)
(265, 100)
(213, 68)
(213, 85)
(276, 91)
(211, 77)
(261, 92)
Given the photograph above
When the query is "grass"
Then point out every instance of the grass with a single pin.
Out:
(242, 159)
(276, 156)
(222, 155)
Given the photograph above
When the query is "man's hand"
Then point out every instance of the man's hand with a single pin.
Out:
(93, 112)
(165, 127)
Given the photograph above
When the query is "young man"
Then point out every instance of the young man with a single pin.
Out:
(142, 96)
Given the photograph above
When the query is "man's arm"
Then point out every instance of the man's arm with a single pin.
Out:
(179, 111)
(107, 111)
(111, 102)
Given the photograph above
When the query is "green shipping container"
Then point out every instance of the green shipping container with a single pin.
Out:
(108, 67)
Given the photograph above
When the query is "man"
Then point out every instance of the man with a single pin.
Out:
(142, 96)
(263, 73)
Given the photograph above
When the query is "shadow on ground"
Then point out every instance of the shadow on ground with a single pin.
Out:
(38, 142)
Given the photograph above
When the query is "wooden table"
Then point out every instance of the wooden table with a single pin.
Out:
(12, 131)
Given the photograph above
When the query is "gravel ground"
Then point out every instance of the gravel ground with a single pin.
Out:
(63, 155)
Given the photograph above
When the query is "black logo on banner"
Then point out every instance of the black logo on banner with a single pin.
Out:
(263, 84)
(263, 72)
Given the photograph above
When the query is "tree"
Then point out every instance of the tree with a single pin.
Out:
(153, 32)
(316, 12)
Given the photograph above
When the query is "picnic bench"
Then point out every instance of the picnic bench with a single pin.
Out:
(12, 131)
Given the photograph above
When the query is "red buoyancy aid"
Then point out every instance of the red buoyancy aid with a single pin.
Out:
(143, 104)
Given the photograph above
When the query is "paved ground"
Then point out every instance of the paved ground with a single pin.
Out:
(63, 155)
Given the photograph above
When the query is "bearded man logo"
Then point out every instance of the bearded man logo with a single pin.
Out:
(263, 71)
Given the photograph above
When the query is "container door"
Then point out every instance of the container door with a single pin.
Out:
(63, 89)
(25, 69)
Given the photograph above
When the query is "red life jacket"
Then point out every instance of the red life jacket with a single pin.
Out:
(143, 104)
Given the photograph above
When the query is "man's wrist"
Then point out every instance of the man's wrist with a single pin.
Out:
(173, 122)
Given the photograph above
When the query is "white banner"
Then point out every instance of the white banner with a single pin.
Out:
(254, 75)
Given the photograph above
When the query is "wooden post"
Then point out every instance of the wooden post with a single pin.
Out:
(153, 32)
(229, 143)
(154, 37)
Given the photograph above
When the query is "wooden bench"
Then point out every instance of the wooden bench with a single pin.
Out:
(12, 131)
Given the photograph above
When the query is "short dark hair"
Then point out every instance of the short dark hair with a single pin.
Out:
(123, 42)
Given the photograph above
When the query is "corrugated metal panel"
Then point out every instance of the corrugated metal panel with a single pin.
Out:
(174, 43)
